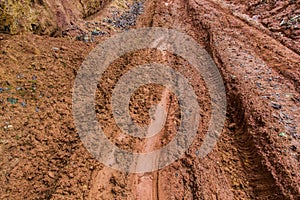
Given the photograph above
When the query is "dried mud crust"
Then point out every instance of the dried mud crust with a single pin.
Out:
(257, 157)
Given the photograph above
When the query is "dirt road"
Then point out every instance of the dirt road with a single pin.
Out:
(255, 45)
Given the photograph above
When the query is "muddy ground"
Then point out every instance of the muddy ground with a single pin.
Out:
(256, 46)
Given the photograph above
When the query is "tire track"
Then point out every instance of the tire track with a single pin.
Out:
(148, 183)
(242, 54)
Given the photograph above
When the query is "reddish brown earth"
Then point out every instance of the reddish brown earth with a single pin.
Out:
(257, 156)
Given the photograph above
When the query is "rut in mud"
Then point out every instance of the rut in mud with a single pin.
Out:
(253, 168)
(257, 156)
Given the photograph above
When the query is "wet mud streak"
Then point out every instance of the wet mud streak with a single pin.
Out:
(147, 187)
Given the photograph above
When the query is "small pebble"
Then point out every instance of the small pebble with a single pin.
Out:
(51, 174)
(55, 49)
(282, 22)
(95, 32)
(86, 38)
(293, 148)
(12, 100)
(282, 134)
(256, 17)
(63, 48)
(8, 127)
(258, 84)
(79, 38)
(288, 95)
(276, 106)
(23, 104)
(107, 20)
(1, 90)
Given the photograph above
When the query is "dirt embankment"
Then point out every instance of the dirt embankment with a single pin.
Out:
(46, 17)
(279, 19)
(257, 156)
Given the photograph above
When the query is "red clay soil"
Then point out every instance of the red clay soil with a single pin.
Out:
(257, 156)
